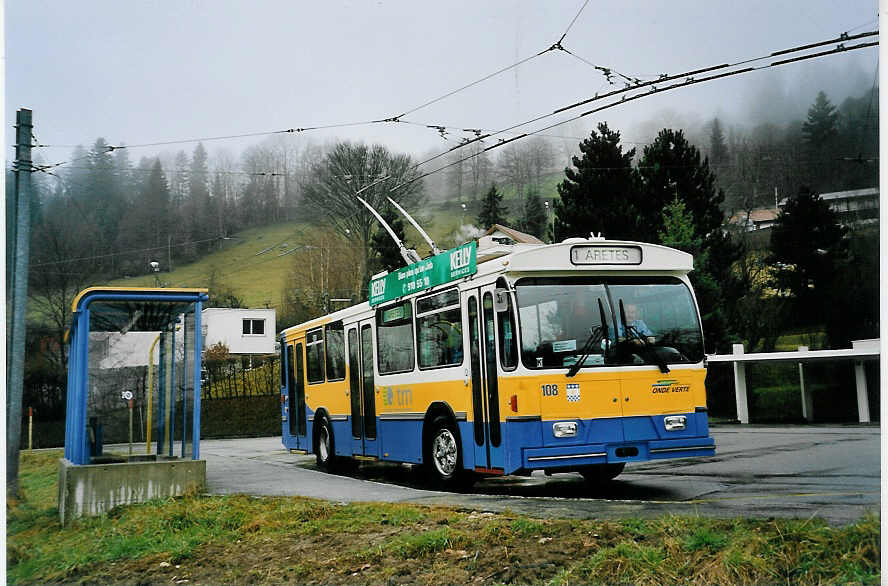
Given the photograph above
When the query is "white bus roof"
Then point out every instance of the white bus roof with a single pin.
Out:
(583, 255)
(578, 255)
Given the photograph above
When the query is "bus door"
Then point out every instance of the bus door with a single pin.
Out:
(296, 395)
(488, 439)
(362, 389)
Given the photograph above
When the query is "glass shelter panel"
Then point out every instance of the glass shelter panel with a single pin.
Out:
(140, 379)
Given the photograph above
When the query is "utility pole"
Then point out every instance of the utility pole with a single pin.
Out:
(16, 350)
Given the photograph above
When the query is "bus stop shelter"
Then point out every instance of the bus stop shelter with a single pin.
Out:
(111, 348)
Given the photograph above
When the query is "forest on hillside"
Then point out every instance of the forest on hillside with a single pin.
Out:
(103, 215)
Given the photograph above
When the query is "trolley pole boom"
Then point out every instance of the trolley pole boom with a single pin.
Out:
(416, 225)
(407, 254)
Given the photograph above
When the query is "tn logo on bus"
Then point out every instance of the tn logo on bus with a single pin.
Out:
(377, 288)
(460, 258)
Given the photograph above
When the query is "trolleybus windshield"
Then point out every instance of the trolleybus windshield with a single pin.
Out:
(647, 320)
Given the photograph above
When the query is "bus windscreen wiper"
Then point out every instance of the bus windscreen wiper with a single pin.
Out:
(595, 336)
(632, 332)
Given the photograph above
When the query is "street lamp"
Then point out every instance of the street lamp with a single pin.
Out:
(462, 215)
(156, 267)
(546, 203)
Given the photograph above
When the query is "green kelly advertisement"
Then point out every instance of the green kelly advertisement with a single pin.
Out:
(451, 265)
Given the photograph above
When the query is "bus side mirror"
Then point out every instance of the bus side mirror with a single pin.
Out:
(500, 300)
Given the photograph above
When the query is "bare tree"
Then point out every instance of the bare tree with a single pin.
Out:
(328, 268)
(373, 172)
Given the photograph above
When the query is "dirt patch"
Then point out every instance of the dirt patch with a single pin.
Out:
(473, 548)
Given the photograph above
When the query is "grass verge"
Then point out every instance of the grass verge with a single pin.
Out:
(203, 539)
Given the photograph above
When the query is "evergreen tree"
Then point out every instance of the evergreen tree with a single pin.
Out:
(820, 134)
(493, 210)
(718, 148)
(807, 246)
(386, 256)
(680, 193)
(679, 231)
(148, 223)
(821, 126)
(533, 218)
(104, 199)
(200, 216)
(672, 168)
(124, 170)
(600, 194)
(859, 140)
(179, 181)
(853, 294)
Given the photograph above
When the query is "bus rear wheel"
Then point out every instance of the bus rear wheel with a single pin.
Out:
(602, 472)
(443, 456)
(325, 452)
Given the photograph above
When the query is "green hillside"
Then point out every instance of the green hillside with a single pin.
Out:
(255, 264)
(252, 264)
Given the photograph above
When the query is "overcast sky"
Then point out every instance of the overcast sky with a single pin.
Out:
(146, 71)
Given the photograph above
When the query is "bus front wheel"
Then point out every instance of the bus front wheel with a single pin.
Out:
(602, 472)
(443, 455)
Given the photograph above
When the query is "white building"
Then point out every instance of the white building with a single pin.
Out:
(243, 331)
(857, 206)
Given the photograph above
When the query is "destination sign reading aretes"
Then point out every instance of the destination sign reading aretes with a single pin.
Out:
(450, 265)
(605, 255)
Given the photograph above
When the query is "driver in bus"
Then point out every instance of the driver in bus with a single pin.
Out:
(634, 321)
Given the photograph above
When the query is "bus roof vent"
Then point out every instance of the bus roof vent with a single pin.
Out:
(592, 237)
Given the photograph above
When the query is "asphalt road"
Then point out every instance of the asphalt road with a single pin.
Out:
(782, 471)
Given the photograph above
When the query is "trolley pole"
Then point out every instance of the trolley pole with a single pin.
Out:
(15, 350)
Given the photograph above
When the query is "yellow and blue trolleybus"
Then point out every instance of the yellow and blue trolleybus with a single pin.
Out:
(504, 359)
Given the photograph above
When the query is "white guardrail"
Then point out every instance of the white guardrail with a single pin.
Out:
(860, 350)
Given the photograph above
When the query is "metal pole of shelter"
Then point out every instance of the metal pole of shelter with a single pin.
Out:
(172, 391)
(81, 391)
(150, 394)
(161, 392)
(184, 381)
(16, 350)
(70, 407)
(195, 426)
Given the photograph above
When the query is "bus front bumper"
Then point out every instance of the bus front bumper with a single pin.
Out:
(591, 454)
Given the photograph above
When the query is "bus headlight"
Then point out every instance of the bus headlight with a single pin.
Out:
(675, 422)
(564, 429)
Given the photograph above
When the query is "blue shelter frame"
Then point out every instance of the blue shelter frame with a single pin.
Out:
(158, 307)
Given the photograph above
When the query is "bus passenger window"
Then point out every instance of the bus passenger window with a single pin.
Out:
(507, 337)
(394, 338)
(439, 330)
(335, 338)
(283, 361)
(314, 347)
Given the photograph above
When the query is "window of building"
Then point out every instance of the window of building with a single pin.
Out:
(439, 329)
(394, 338)
(334, 334)
(314, 348)
(253, 327)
